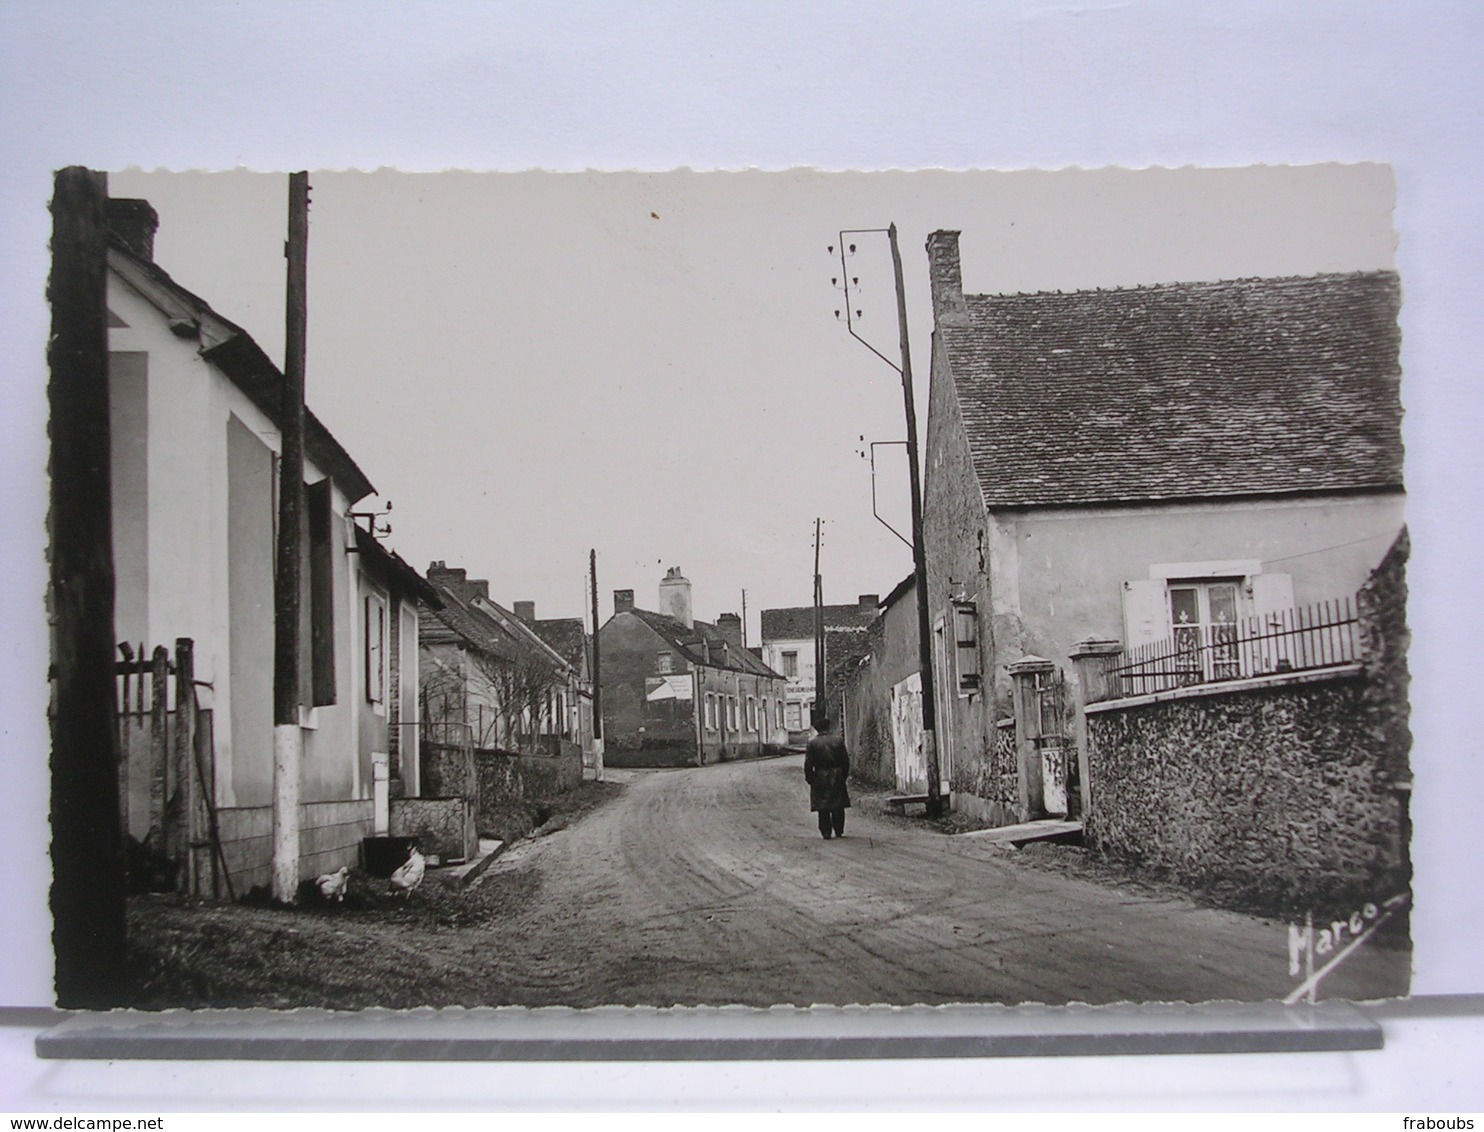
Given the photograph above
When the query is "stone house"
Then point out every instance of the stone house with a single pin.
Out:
(788, 648)
(196, 433)
(1109, 469)
(678, 691)
(881, 698)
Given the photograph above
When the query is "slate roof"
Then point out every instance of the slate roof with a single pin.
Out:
(692, 644)
(1182, 390)
(796, 622)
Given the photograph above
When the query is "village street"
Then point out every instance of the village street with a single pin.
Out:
(711, 885)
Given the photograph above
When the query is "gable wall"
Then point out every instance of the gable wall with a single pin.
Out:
(956, 537)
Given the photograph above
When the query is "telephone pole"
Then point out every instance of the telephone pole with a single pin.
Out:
(288, 737)
(919, 552)
(87, 893)
(592, 565)
(819, 705)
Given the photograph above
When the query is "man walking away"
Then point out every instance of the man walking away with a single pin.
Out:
(826, 768)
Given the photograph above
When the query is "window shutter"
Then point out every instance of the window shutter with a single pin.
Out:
(1146, 616)
(1271, 593)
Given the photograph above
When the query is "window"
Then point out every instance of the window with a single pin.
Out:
(710, 712)
(1203, 625)
(966, 637)
(751, 713)
(665, 663)
(375, 636)
(791, 664)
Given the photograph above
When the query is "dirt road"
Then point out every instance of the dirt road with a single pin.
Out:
(713, 886)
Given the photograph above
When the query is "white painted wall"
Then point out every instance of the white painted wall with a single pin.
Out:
(189, 403)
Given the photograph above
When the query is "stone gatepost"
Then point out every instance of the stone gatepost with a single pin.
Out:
(1091, 659)
(1028, 676)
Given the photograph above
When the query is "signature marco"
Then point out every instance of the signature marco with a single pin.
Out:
(1332, 944)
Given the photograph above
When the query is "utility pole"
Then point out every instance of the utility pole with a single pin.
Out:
(744, 618)
(87, 895)
(819, 705)
(919, 551)
(288, 737)
(592, 565)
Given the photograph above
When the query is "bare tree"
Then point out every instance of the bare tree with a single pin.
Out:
(522, 691)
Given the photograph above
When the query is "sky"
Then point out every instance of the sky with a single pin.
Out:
(529, 365)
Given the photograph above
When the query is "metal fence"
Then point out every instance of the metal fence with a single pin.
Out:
(1322, 635)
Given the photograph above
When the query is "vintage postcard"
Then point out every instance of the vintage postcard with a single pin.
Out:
(729, 588)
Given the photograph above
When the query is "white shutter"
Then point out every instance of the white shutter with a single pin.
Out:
(1272, 599)
(1146, 613)
(1271, 593)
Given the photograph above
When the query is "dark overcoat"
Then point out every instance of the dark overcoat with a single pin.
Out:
(826, 768)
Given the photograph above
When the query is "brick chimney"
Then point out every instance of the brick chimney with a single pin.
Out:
(869, 602)
(526, 610)
(134, 223)
(730, 627)
(456, 580)
(623, 600)
(946, 277)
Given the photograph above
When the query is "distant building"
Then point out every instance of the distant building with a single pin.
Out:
(568, 637)
(489, 679)
(678, 691)
(881, 697)
(788, 648)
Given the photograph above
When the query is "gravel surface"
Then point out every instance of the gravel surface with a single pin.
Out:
(711, 885)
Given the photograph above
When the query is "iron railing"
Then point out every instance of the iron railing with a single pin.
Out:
(1322, 635)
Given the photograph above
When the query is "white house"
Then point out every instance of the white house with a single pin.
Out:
(788, 648)
(195, 448)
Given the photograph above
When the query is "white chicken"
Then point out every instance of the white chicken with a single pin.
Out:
(410, 874)
(332, 885)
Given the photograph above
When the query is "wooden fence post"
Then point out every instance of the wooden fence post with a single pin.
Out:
(159, 747)
(186, 829)
(87, 894)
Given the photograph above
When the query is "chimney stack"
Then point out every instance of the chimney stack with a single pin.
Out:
(134, 223)
(623, 600)
(946, 276)
(729, 625)
(675, 597)
(456, 580)
(869, 603)
(526, 610)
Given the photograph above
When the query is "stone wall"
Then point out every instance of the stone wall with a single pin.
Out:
(1283, 798)
(444, 827)
(507, 777)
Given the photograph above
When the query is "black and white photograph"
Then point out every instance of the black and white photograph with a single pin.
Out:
(713, 589)
(847, 557)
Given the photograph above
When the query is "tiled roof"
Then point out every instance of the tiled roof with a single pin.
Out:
(1182, 390)
(460, 621)
(394, 569)
(564, 635)
(703, 644)
(796, 622)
